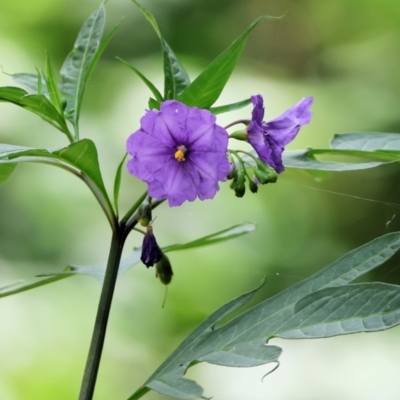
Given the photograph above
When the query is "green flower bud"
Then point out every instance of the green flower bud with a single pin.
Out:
(266, 175)
(164, 270)
(252, 186)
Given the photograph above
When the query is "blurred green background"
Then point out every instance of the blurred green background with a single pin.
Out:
(345, 53)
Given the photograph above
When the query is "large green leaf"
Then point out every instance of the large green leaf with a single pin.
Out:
(363, 307)
(366, 141)
(36, 103)
(81, 155)
(176, 78)
(204, 91)
(270, 318)
(77, 65)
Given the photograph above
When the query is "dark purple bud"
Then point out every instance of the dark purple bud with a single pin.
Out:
(151, 253)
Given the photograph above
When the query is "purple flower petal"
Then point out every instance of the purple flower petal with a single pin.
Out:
(180, 152)
(270, 138)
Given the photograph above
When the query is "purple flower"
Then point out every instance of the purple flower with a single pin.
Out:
(270, 138)
(151, 253)
(180, 152)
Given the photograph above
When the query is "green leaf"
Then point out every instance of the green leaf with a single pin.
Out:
(117, 183)
(304, 159)
(230, 107)
(217, 237)
(5, 171)
(36, 103)
(270, 318)
(152, 88)
(81, 155)
(204, 91)
(52, 87)
(176, 78)
(29, 82)
(130, 260)
(363, 307)
(78, 64)
(366, 141)
(19, 287)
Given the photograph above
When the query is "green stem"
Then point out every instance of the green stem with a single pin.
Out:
(133, 208)
(139, 393)
(103, 311)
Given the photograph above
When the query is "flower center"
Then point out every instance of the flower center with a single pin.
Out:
(180, 153)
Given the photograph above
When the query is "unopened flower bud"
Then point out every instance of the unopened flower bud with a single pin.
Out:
(266, 175)
(232, 171)
(151, 252)
(253, 186)
(164, 270)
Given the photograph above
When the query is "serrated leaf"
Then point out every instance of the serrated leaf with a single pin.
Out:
(204, 91)
(366, 141)
(36, 103)
(150, 85)
(363, 307)
(176, 78)
(230, 107)
(267, 319)
(75, 70)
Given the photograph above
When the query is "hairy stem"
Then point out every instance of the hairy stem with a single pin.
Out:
(103, 311)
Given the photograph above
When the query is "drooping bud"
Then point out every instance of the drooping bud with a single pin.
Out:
(151, 252)
(232, 171)
(164, 270)
(253, 186)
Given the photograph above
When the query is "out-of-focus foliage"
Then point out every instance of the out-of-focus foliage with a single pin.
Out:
(344, 53)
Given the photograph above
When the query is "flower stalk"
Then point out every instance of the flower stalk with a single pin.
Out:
(103, 311)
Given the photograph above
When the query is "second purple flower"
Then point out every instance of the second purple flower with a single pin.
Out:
(180, 152)
(270, 138)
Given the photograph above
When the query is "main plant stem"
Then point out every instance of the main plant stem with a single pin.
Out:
(103, 311)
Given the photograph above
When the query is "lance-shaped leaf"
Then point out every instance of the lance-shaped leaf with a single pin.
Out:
(130, 260)
(366, 141)
(36, 103)
(176, 78)
(230, 107)
(52, 87)
(363, 307)
(267, 320)
(305, 159)
(149, 84)
(19, 287)
(204, 91)
(77, 65)
(127, 261)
